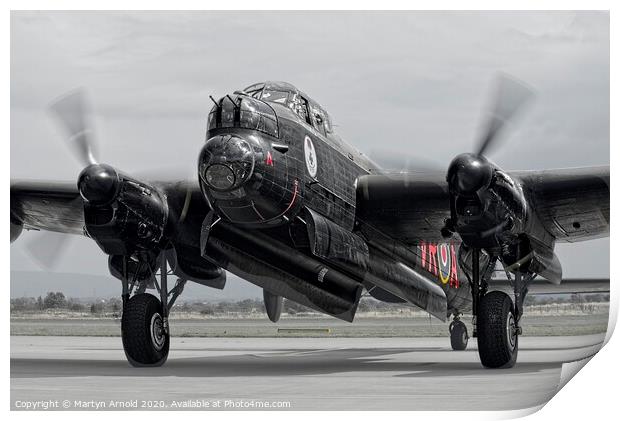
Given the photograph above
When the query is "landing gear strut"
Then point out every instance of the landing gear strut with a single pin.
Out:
(144, 325)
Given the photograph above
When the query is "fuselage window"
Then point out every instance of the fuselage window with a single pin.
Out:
(328, 124)
(319, 121)
(275, 96)
(257, 87)
(255, 94)
(300, 106)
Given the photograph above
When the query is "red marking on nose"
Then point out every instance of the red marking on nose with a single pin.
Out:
(269, 160)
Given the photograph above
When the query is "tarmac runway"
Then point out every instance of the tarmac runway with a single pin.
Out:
(287, 373)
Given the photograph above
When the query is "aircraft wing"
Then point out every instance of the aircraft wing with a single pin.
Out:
(408, 207)
(45, 205)
(573, 204)
(57, 205)
(412, 207)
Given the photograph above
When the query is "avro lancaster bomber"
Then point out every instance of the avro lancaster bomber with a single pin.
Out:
(284, 203)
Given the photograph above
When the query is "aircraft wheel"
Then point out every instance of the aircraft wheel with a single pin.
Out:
(498, 341)
(458, 335)
(145, 340)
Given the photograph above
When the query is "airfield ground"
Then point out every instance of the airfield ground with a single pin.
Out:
(301, 363)
(290, 373)
(533, 325)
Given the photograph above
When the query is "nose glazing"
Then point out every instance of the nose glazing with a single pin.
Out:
(226, 162)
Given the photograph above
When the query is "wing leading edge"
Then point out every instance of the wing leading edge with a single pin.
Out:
(49, 206)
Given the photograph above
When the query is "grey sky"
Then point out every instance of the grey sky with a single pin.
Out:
(402, 83)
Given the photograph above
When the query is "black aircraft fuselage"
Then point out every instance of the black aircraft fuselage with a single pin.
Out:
(272, 167)
(282, 154)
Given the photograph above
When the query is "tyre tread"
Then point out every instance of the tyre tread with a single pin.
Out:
(135, 331)
(492, 342)
(456, 333)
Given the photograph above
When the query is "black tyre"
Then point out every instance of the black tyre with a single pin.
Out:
(498, 342)
(458, 335)
(145, 341)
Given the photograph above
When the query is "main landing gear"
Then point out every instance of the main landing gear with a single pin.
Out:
(144, 325)
(496, 318)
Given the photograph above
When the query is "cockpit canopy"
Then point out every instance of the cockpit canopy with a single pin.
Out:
(286, 94)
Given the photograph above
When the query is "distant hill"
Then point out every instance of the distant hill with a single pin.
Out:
(79, 285)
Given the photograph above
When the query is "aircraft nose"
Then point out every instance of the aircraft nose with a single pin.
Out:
(226, 162)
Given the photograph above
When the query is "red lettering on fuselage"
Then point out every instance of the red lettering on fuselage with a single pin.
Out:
(454, 270)
(446, 268)
(432, 258)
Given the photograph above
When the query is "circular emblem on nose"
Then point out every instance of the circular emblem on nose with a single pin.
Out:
(310, 154)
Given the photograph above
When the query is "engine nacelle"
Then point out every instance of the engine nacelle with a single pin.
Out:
(489, 211)
(133, 219)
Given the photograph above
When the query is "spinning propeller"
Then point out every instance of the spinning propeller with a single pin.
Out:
(98, 184)
(470, 175)
(470, 172)
(71, 112)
